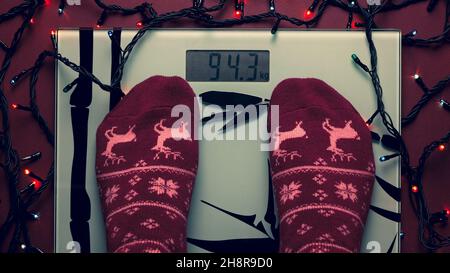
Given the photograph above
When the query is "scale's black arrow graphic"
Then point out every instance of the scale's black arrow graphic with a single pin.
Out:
(224, 98)
(270, 216)
(246, 245)
(115, 96)
(391, 247)
(248, 219)
(393, 216)
(393, 191)
(81, 98)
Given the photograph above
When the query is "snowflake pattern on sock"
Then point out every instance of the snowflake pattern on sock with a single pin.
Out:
(150, 223)
(304, 228)
(346, 191)
(130, 195)
(111, 194)
(290, 192)
(320, 194)
(161, 186)
(319, 179)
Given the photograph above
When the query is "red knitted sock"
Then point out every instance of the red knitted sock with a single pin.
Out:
(145, 176)
(322, 168)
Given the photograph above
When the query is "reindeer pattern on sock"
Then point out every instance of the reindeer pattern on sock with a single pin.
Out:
(346, 132)
(113, 140)
(280, 137)
(165, 133)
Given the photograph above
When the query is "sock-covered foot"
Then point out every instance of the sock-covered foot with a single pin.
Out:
(145, 175)
(322, 168)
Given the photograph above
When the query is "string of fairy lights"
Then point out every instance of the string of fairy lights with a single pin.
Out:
(21, 199)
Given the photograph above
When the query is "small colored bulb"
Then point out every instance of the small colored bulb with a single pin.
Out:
(36, 184)
(308, 14)
(415, 189)
(356, 24)
(26, 171)
(53, 32)
(35, 216)
(444, 104)
(32, 21)
(14, 106)
(139, 24)
(441, 148)
(416, 76)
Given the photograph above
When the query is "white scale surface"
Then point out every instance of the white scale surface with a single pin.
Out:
(231, 174)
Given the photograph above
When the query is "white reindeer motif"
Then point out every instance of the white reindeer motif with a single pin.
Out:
(165, 133)
(114, 139)
(280, 137)
(347, 132)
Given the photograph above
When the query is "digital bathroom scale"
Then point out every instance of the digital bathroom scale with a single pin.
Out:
(232, 183)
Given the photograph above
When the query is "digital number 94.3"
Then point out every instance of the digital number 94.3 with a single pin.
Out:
(232, 66)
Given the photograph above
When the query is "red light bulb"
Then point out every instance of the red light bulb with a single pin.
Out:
(32, 21)
(53, 32)
(14, 106)
(36, 184)
(447, 211)
(415, 189)
(139, 24)
(308, 14)
(441, 148)
(26, 171)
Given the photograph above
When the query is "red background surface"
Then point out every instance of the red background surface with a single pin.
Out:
(432, 123)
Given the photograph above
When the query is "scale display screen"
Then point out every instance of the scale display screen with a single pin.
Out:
(227, 65)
